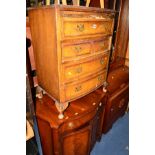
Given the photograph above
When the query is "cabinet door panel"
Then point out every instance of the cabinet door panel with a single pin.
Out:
(77, 143)
(119, 101)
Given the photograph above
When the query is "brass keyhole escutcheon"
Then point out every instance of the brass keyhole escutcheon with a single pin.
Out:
(80, 27)
(102, 61)
(79, 70)
(121, 103)
(78, 88)
(99, 78)
(78, 49)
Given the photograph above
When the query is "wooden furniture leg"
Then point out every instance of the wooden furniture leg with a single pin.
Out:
(61, 108)
(105, 84)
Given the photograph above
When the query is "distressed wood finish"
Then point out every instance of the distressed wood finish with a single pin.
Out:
(81, 127)
(71, 45)
(118, 96)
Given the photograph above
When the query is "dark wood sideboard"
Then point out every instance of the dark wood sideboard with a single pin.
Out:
(81, 127)
(117, 96)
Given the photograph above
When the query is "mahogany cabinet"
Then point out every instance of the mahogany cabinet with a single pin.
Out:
(78, 131)
(118, 96)
(71, 48)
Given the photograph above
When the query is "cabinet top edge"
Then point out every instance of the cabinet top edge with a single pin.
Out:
(73, 8)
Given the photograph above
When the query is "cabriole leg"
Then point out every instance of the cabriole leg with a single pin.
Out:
(105, 84)
(61, 107)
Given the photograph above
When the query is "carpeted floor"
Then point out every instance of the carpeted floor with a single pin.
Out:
(116, 141)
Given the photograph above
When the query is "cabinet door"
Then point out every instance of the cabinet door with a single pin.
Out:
(76, 142)
(100, 119)
(94, 130)
(118, 102)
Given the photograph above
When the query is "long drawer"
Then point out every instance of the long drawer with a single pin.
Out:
(79, 89)
(81, 69)
(72, 15)
(83, 28)
(81, 24)
(84, 48)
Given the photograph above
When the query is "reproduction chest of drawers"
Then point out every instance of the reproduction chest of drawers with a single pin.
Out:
(71, 49)
(78, 132)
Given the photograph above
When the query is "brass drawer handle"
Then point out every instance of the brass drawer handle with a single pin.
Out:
(94, 26)
(121, 103)
(78, 88)
(111, 109)
(78, 49)
(79, 70)
(70, 125)
(100, 104)
(80, 27)
(102, 61)
(99, 78)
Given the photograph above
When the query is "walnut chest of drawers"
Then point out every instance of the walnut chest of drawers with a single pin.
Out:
(71, 49)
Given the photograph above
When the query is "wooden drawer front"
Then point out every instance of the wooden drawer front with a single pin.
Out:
(76, 123)
(76, 90)
(101, 62)
(102, 45)
(119, 101)
(71, 51)
(72, 15)
(71, 72)
(81, 70)
(82, 28)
